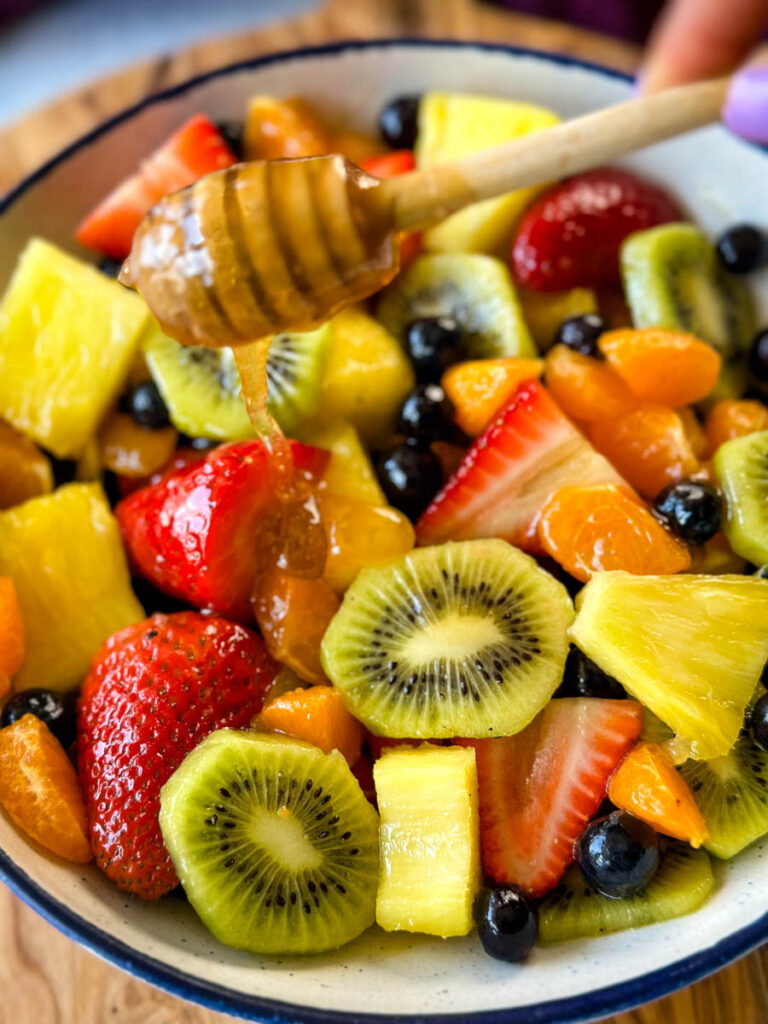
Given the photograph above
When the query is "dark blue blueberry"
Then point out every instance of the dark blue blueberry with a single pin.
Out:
(57, 710)
(742, 249)
(110, 267)
(410, 476)
(398, 122)
(618, 854)
(758, 719)
(691, 510)
(583, 678)
(426, 415)
(507, 922)
(232, 132)
(434, 343)
(146, 405)
(581, 333)
(762, 572)
(758, 356)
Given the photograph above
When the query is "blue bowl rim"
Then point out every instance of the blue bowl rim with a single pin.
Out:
(587, 1006)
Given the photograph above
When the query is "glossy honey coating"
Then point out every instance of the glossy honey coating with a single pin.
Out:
(262, 247)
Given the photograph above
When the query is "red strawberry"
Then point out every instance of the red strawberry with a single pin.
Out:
(154, 691)
(194, 535)
(511, 471)
(539, 789)
(570, 236)
(196, 149)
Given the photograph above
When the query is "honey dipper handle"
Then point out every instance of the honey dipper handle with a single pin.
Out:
(426, 196)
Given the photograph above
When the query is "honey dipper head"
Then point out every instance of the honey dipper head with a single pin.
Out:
(261, 248)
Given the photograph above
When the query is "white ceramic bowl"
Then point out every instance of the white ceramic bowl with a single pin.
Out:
(720, 180)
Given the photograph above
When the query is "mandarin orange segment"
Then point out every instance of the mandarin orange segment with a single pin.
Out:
(479, 388)
(648, 446)
(293, 613)
(356, 146)
(694, 431)
(586, 389)
(319, 716)
(39, 789)
(661, 366)
(361, 535)
(24, 471)
(734, 418)
(596, 529)
(12, 646)
(131, 450)
(283, 128)
(648, 785)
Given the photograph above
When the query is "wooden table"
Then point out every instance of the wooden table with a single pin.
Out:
(44, 977)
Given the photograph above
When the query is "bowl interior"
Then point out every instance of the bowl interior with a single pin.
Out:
(720, 180)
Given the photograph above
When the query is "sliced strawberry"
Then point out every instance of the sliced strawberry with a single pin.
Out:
(194, 534)
(196, 149)
(539, 789)
(570, 236)
(390, 165)
(528, 453)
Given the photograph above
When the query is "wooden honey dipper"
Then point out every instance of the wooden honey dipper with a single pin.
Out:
(282, 245)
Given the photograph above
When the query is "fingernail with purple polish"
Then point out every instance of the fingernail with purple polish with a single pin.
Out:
(746, 107)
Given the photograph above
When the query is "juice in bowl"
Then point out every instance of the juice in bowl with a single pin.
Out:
(461, 638)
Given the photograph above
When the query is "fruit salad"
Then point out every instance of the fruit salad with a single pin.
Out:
(475, 638)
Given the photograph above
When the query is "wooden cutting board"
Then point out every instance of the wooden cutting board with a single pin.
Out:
(44, 977)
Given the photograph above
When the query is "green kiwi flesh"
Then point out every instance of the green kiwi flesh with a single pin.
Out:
(273, 841)
(573, 910)
(732, 794)
(475, 290)
(201, 386)
(673, 279)
(464, 639)
(741, 468)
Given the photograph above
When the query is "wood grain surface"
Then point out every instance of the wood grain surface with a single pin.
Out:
(44, 977)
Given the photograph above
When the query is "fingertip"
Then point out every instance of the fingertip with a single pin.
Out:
(746, 107)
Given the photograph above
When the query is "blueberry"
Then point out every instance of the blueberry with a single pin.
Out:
(434, 344)
(57, 710)
(147, 407)
(398, 122)
(410, 477)
(691, 510)
(583, 678)
(507, 922)
(426, 415)
(581, 333)
(232, 132)
(758, 356)
(758, 722)
(618, 854)
(742, 249)
(761, 572)
(110, 267)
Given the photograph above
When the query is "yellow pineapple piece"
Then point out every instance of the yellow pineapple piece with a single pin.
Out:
(68, 336)
(349, 473)
(66, 559)
(430, 840)
(453, 125)
(544, 312)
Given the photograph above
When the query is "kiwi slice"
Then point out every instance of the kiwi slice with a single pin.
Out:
(201, 386)
(573, 910)
(464, 639)
(732, 794)
(475, 290)
(673, 279)
(741, 467)
(274, 843)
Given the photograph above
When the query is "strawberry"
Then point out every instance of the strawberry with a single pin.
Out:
(181, 457)
(154, 691)
(530, 450)
(570, 236)
(539, 789)
(196, 149)
(194, 534)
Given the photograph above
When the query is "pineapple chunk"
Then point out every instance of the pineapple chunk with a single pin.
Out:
(349, 473)
(430, 841)
(544, 312)
(64, 554)
(690, 648)
(367, 376)
(453, 125)
(68, 335)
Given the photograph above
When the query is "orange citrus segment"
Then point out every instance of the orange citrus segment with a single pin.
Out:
(282, 128)
(361, 535)
(648, 785)
(131, 450)
(596, 529)
(11, 634)
(586, 389)
(662, 366)
(694, 431)
(479, 388)
(648, 446)
(734, 418)
(24, 471)
(39, 789)
(317, 715)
